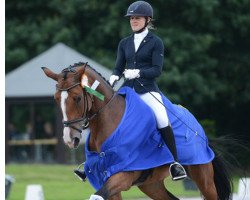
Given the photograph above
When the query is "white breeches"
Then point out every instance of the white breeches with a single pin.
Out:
(158, 109)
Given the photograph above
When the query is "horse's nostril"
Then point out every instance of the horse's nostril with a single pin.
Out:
(76, 142)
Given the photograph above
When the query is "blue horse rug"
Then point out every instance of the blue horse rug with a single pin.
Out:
(136, 143)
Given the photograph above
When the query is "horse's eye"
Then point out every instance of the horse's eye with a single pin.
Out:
(77, 99)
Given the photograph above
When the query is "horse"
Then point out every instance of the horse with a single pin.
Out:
(86, 99)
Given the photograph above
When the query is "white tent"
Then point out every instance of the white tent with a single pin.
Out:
(28, 80)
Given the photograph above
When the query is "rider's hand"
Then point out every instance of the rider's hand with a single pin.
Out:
(112, 79)
(131, 73)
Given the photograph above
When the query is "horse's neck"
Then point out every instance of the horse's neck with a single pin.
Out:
(104, 124)
(106, 121)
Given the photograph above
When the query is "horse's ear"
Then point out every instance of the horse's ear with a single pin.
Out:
(50, 74)
(82, 69)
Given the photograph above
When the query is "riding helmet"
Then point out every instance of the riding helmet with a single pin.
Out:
(140, 8)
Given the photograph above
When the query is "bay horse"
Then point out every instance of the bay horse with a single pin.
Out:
(87, 99)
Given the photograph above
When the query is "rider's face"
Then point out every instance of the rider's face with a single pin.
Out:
(137, 23)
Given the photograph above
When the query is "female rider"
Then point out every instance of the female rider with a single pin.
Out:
(140, 56)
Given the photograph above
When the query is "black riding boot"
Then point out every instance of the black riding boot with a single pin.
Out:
(176, 170)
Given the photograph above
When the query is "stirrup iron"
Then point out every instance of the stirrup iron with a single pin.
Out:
(80, 173)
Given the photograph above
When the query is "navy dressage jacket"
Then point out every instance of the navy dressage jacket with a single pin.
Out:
(148, 59)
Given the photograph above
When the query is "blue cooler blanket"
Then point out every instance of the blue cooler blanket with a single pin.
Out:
(136, 143)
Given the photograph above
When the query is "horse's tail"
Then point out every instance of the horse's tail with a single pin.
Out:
(222, 179)
(222, 166)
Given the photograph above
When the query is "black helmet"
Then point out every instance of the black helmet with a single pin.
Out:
(140, 8)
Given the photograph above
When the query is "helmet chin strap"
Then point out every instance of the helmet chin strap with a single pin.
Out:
(145, 25)
(141, 30)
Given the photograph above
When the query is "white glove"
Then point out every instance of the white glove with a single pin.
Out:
(131, 73)
(95, 197)
(113, 78)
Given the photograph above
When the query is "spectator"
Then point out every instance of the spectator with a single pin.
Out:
(39, 127)
(48, 150)
(48, 130)
(13, 132)
(28, 132)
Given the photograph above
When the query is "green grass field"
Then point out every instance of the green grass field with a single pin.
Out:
(59, 183)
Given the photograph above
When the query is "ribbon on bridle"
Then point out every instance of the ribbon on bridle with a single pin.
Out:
(94, 92)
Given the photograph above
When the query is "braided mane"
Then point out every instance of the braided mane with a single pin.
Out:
(79, 64)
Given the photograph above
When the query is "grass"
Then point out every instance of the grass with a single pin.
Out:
(59, 183)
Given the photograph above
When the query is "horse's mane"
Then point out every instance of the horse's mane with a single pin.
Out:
(80, 64)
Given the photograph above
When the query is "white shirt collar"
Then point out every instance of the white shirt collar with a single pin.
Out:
(141, 35)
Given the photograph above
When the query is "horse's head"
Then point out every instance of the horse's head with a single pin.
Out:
(78, 89)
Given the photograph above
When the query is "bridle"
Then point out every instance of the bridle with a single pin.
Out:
(84, 118)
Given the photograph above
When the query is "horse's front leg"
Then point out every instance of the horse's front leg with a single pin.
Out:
(115, 184)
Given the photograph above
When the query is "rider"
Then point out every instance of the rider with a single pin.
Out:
(143, 53)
